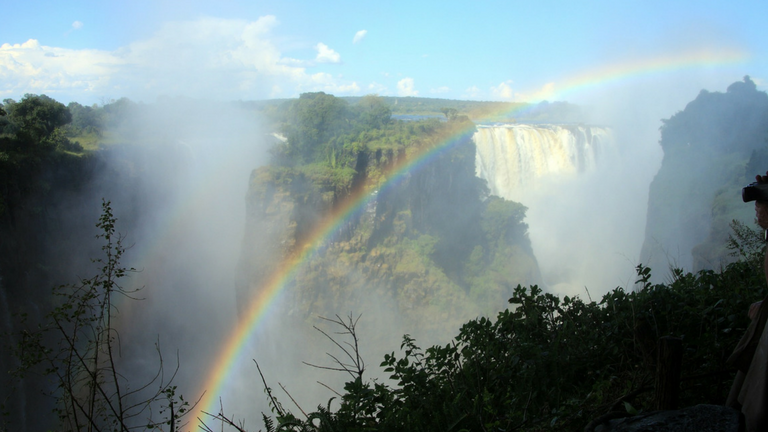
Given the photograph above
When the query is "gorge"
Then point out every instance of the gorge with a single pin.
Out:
(428, 246)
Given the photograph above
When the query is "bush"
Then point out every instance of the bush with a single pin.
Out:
(556, 363)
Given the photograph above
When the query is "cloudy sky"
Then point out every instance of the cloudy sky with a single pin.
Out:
(92, 51)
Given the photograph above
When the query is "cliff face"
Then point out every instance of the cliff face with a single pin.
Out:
(431, 248)
(697, 191)
(47, 240)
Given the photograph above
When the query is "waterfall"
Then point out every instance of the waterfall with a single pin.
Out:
(512, 157)
(585, 215)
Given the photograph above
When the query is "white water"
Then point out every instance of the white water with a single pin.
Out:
(514, 157)
(586, 216)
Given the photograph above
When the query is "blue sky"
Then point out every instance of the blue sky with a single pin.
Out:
(94, 51)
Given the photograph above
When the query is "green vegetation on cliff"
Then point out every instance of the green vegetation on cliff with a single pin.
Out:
(432, 245)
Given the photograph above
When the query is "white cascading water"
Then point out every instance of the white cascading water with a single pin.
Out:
(512, 157)
(585, 220)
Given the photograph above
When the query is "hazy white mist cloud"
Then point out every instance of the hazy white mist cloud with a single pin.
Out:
(405, 87)
(77, 25)
(359, 36)
(327, 83)
(547, 91)
(205, 58)
(472, 92)
(33, 68)
(326, 54)
(503, 90)
(377, 88)
(439, 90)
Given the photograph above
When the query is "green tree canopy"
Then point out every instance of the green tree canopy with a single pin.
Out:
(313, 120)
(374, 112)
(35, 118)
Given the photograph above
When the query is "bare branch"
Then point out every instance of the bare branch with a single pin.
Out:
(274, 402)
(292, 399)
(324, 385)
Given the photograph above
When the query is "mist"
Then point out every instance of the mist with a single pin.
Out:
(190, 161)
(185, 227)
(186, 231)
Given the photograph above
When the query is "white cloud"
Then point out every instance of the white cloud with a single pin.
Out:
(405, 87)
(359, 36)
(326, 82)
(205, 58)
(377, 88)
(77, 25)
(294, 62)
(34, 68)
(326, 55)
(503, 91)
(547, 91)
(439, 90)
(472, 92)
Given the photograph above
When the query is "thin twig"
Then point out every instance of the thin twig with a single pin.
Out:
(275, 404)
(324, 385)
(293, 400)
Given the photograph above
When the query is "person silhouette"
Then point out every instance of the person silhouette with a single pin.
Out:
(749, 392)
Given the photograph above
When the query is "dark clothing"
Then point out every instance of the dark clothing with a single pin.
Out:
(750, 388)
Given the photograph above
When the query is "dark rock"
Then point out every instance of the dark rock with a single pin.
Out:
(696, 193)
(699, 418)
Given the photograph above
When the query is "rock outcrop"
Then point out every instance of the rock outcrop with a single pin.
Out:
(431, 246)
(706, 146)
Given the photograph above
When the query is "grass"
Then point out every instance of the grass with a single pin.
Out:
(93, 141)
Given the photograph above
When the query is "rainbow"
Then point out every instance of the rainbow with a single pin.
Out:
(320, 235)
(635, 68)
(231, 351)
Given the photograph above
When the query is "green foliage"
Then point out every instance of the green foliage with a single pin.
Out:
(31, 136)
(322, 128)
(35, 117)
(412, 244)
(503, 220)
(311, 122)
(557, 363)
(85, 120)
(450, 113)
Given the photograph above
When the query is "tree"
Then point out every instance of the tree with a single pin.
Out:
(78, 348)
(30, 135)
(374, 113)
(312, 121)
(85, 119)
(450, 113)
(35, 117)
